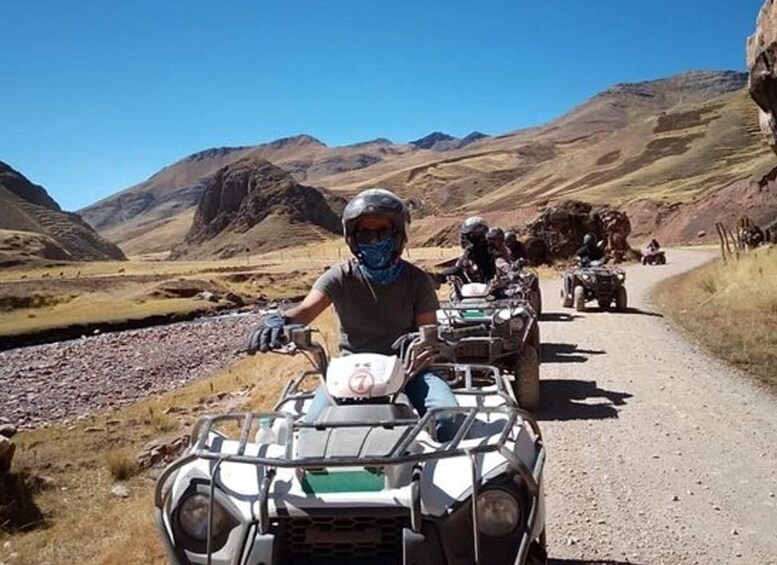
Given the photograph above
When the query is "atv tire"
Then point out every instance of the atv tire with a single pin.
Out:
(662, 260)
(535, 299)
(621, 299)
(527, 378)
(579, 298)
(644, 260)
(566, 300)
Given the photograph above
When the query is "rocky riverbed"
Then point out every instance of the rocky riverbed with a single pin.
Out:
(61, 381)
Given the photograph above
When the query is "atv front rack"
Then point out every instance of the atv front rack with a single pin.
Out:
(398, 455)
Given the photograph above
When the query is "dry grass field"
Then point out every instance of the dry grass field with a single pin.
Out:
(43, 297)
(731, 309)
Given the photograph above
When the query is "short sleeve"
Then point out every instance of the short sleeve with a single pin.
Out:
(425, 299)
(331, 283)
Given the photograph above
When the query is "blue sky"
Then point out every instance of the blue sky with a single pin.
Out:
(97, 96)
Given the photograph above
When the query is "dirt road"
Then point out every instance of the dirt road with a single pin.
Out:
(657, 454)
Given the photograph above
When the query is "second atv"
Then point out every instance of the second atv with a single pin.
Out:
(595, 281)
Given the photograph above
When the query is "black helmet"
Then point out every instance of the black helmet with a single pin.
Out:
(510, 237)
(473, 231)
(380, 202)
(589, 239)
(495, 234)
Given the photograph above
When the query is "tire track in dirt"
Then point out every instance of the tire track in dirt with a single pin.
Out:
(657, 453)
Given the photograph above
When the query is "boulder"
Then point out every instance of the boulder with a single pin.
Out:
(762, 66)
(7, 449)
(558, 232)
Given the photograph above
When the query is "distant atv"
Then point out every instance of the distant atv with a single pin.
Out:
(654, 258)
(596, 281)
(509, 335)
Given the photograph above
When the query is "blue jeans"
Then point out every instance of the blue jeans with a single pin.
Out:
(425, 391)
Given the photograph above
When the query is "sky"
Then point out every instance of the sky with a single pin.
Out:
(97, 96)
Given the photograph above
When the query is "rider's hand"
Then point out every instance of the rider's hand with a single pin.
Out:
(268, 334)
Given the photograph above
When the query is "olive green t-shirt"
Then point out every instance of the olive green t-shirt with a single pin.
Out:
(373, 316)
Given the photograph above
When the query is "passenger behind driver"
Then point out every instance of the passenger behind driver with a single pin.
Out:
(378, 297)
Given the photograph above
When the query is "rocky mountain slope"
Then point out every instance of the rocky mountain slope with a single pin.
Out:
(251, 205)
(671, 141)
(33, 226)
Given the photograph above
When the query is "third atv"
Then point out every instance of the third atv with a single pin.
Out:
(595, 281)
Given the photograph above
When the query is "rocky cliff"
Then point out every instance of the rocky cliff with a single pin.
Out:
(32, 225)
(251, 205)
(762, 64)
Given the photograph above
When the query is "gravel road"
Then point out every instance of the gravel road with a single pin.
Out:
(657, 454)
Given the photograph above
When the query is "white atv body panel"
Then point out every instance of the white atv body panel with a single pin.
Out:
(365, 375)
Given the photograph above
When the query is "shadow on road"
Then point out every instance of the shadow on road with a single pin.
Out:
(566, 399)
(631, 310)
(566, 353)
(552, 561)
(557, 317)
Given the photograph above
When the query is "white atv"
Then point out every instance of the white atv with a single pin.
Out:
(367, 482)
(509, 335)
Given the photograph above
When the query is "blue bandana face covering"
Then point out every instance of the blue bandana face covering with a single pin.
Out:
(375, 261)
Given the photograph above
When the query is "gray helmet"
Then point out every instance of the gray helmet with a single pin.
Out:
(474, 225)
(589, 239)
(473, 232)
(380, 202)
(495, 234)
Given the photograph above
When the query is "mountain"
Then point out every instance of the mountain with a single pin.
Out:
(438, 141)
(251, 205)
(673, 140)
(156, 213)
(33, 226)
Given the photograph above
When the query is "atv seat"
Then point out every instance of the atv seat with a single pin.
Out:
(371, 439)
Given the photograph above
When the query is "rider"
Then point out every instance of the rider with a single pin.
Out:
(514, 246)
(496, 245)
(476, 263)
(378, 297)
(653, 246)
(589, 252)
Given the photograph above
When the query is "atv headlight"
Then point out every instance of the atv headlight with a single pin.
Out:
(586, 277)
(621, 276)
(193, 517)
(498, 512)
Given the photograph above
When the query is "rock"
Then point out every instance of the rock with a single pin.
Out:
(207, 296)
(160, 450)
(762, 65)
(7, 449)
(8, 430)
(235, 299)
(120, 490)
(558, 232)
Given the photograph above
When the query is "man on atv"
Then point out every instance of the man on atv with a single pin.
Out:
(588, 253)
(653, 246)
(378, 297)
(476, 263)
(496, 245)
(514, 246)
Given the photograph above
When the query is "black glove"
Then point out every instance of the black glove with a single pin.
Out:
(268, 334)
